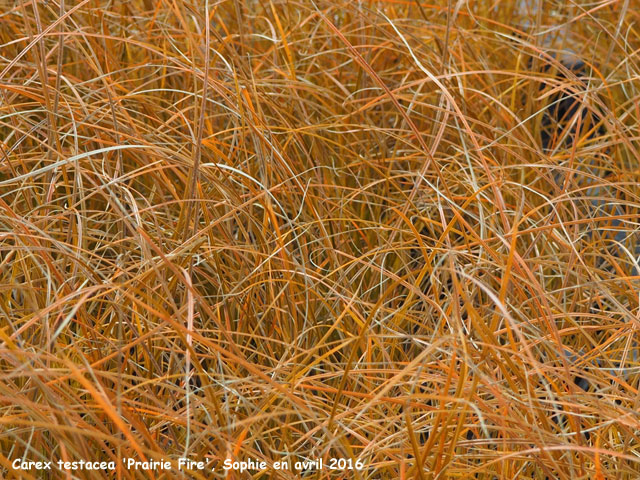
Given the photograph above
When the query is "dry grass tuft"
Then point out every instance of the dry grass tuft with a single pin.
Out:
(298, 229)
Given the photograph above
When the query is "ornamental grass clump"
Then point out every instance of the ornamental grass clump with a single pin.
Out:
(396, 234)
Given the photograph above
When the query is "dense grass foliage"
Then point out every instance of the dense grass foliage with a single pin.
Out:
(389, 231)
